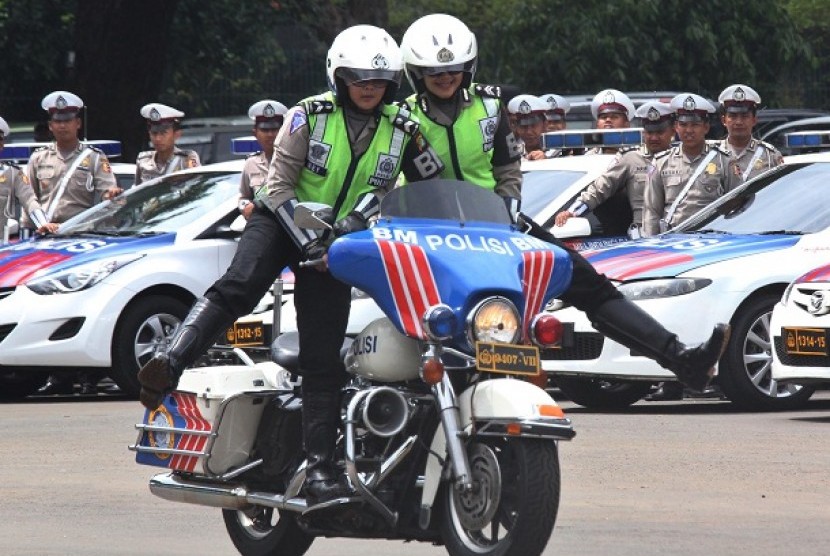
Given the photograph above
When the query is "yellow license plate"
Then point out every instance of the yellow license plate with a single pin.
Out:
(805, 341)
(246, 334)
(507, 359)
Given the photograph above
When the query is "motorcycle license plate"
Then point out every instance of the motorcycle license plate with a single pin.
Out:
(507, 359)
(805, 341)
(246, 334)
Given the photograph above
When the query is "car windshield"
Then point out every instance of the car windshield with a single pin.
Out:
(791, 199)
(445, 200)
(540, 187)
(158, 206)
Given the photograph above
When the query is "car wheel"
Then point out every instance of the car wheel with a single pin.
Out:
(146, 326)
(596, 393)
(745, 370)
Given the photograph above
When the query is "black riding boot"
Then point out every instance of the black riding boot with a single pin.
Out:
(321, 417)
(625, 323)
(197, 332)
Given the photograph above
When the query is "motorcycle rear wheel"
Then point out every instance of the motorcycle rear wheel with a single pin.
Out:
(266, 532)
(513, 510)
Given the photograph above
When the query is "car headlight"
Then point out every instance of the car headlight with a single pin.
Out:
(495, 319)
(78, 277)
(666, 287)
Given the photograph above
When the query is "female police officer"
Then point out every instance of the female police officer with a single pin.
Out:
(344, 148)
(467, 126)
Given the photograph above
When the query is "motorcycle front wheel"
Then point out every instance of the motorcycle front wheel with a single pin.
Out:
(511, 511)
(266, 532)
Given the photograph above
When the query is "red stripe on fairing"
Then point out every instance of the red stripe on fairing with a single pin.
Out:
(19, 270)
(537, 271)
(193, 420)
(821, 274)
(411, 282)
(632, 264)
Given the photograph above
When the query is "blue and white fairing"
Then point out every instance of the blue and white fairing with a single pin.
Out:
(448, 242)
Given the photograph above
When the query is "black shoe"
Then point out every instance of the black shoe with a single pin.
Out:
(56, 385)
(695, 366)
(324, 490)
(157, 380)
(668, 391)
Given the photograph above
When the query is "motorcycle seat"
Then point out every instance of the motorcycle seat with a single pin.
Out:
(285, 351)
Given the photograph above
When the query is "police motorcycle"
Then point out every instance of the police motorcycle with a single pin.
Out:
(446, 438)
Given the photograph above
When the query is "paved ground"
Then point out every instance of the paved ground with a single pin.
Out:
(691, 478)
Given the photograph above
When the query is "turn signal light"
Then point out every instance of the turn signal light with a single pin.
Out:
(432, 371)
(551, 411)
(545, 330)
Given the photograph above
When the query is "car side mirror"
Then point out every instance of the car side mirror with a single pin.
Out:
(576, 226)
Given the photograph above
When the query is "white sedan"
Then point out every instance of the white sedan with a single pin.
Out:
(731, 262)
(800, 325)
(113, 284)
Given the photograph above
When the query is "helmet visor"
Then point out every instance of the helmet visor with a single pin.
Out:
(350, 76)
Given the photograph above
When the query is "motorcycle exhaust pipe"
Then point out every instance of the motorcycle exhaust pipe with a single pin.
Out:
(384, 411)
(177, 489)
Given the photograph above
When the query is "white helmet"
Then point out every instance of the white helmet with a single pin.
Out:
(438, 43)
(364, 52)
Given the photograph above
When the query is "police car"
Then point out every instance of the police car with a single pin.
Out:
(113, 284)
(730, 262)
(799, 326)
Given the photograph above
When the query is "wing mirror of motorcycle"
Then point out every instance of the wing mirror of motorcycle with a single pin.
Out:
(313, 216)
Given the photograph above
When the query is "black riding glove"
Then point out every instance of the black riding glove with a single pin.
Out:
(314, 249)
(353, 222)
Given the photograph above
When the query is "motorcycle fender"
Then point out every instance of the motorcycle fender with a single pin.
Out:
(493, 399)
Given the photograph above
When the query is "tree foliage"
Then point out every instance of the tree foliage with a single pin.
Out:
(215, 58)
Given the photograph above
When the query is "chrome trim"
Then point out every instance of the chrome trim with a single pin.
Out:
(558, 429)
(166, 451)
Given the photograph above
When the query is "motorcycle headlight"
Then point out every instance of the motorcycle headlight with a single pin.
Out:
(656, 289)
(78, 277)
(496, 320)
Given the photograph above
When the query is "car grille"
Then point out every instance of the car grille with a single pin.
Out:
(586, 345)
(799, 360)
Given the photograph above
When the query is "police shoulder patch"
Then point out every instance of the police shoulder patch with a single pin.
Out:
(663, 154)
(628, 149)
(143, 155)
(483, 90)
(318, 106)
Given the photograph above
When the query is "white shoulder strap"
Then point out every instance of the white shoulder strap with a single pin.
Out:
(682, 195)
(53, 204)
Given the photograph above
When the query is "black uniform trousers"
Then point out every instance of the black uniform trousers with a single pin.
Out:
(322, 302)
(589, 289)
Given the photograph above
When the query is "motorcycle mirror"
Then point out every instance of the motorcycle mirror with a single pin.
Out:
(313, 216)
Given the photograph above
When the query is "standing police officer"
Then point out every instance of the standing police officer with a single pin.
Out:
(68, 177)
(628, 171)
(527, 115)
(268, 116)
(686, 178)
(558, 108)
(611, 109)
(15, 186)
(738, 113)
(164, 128)
(344, 148)
(467, 128)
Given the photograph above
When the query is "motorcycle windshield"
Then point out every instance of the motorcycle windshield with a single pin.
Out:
(458, 201)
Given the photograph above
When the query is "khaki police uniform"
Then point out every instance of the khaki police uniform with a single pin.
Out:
(253, 175)
(668, 176)
(85, 187)
(147, 166)
(628, 172)
(15, 186)
(768, 157)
